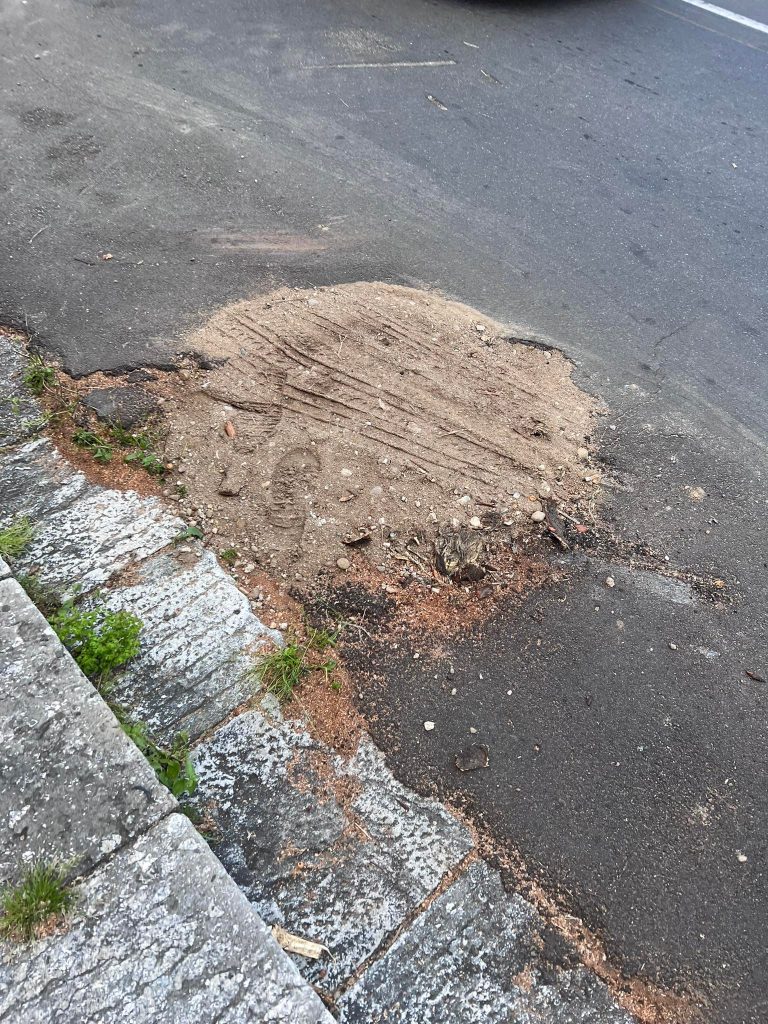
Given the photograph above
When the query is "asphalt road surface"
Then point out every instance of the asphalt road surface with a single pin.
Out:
(594, 170)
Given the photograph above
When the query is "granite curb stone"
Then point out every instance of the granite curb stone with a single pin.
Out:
(74, 786)
(159, 935)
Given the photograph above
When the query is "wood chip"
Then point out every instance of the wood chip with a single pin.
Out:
(295, 944)
(229, 428)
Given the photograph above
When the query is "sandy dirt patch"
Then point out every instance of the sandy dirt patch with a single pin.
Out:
(375, 422)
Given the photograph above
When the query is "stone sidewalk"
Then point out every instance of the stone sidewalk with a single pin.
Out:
(418, 928)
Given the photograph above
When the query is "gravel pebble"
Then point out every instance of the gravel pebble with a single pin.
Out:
(343, 563)
(429, 726)
(538, 517)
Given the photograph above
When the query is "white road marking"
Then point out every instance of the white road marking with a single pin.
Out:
(758, 26)
(386, 64)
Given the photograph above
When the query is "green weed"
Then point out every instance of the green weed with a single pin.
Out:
(127, 439)
(141, 445)
(16, 537)
(173, 767)
(98, 446)
(188, 533)
(99, 641)
(40, 900)
(182, 490)
(38, 376)
(229, 555)
(148, 461)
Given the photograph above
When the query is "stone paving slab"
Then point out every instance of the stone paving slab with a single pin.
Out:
(74, 788)
(19, 412)
(475, 956)
(36, 481)
(96, 537)
(337, 853)
(4, 570)
(159, 935)
(200, 641)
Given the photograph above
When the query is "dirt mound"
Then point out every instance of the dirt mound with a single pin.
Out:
(372, 420)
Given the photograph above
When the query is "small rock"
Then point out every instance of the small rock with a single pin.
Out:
(741, 857)
(343, 563)
(472, 729)
(610, 581)
(127, 407)
(475, 523)
(346, 472)
(673, 647)
(472, 757)
(538, 517)
(583, 453)
(429, 726)
(465, 500)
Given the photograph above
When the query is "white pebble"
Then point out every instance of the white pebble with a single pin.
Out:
(538, 517)
(475, 522)
(343, 563)
(610, 581)
(465, 500)
(346, 472)
(673, 647)
(429, 726)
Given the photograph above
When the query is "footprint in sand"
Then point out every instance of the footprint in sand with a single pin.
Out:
(292, 480)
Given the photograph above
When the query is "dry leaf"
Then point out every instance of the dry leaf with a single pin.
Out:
(295, 944)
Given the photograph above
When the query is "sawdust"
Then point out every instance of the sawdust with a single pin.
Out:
(647, 1002)
(361, 423)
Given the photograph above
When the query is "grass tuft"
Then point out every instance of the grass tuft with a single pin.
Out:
(228, 555)
(39, 901)
(15, 537)
(45, 598)
(282, 671)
